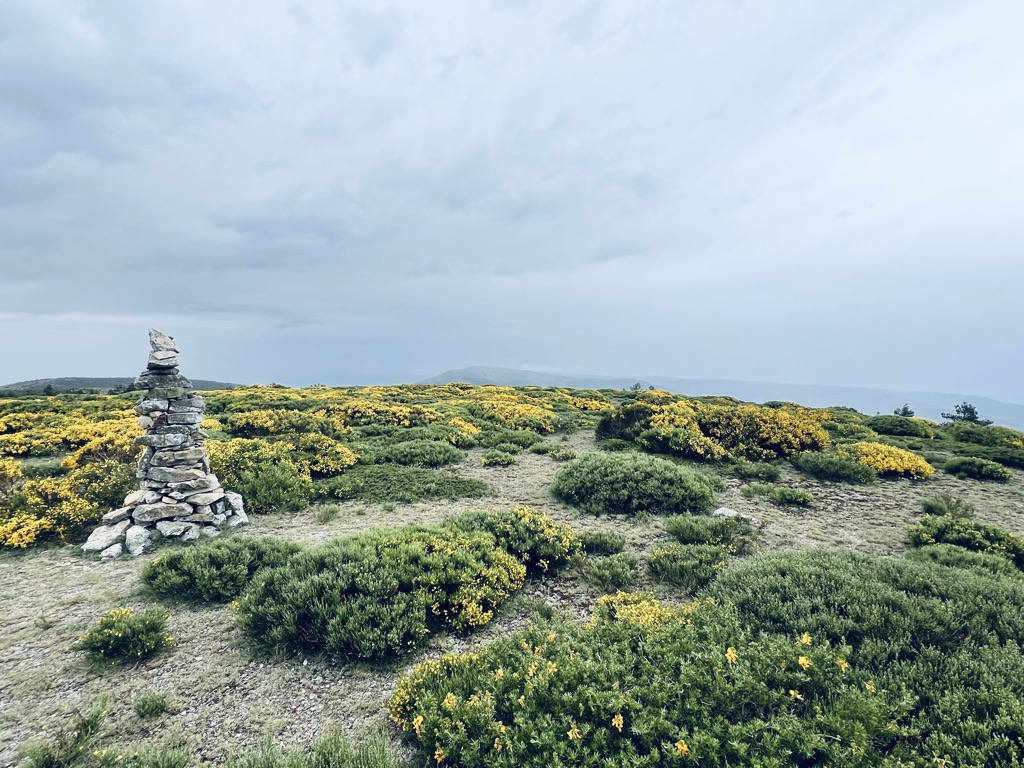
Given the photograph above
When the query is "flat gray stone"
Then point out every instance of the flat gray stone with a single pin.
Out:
(172, 458)
(148, 513)
(723, 513)
(239, 518)
(193, 487)
(206, 499)
(149, 405)
(106, 536)
(171, 528)
(136, 539)
(135, 497)
(184, 417)
(114, 550)
(160, 341)
(193, 403)
(117, 515)
(192, 533)
(235, 502)
(168, 440)
(200, 517)
(163, 358)
(172, 475)
(209, 530)
(145, 422)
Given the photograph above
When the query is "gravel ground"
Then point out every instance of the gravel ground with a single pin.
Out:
(226, 697)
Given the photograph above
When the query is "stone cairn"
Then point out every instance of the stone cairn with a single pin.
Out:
(178, 494)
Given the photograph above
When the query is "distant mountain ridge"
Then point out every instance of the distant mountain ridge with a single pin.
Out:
(929, 405)
(100, 384)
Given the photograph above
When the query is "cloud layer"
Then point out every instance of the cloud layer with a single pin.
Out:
(339, 192)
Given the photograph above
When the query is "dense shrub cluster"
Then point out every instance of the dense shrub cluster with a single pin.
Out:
(736, 533)
(422, 453)
(688, 566)
(977, 469)
(834, 468)
(707, 431)
(642, 684)
(900, 425)
(123, 635)
(632, 484)
(888, 460)
(215, 571)
(383, 592)
(496, 457)
(394, 483)
(601, 542)
(609, 574)
(967, 534)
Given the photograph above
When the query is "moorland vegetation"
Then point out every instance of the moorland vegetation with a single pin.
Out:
(725, 656)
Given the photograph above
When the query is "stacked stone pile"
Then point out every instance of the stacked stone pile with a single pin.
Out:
(178, 494)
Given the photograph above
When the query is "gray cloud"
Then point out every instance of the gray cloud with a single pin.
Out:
(331, 192)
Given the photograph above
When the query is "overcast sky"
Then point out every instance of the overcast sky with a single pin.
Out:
(343, 192)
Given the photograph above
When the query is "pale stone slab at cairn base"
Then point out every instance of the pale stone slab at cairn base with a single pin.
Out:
(178, 494)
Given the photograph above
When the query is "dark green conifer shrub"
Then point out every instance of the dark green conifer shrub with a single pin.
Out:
(215, 571)
(754, 470)
(602, 542)
(736, 533)
(122, 635)
(957, 557)
(689, 566)
(834, 468)
(496, 458)
(609, 574)
(631, 484)
(422, 453)
(791, 496)
(381, 483)
(966, 467)
(900, 425)
(274, 488)
(967, 534)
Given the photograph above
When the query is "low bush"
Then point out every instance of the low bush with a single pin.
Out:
(640, 684)
(563, 454)
(123, 635)
(602, 542)
(947, 504)
(967, 534)
(496, 458)
(215, 571)
(615, 445)
(543, 448)
(736, 533)
(632, 484)
(791, 496)
(834, 468)
(900, 425)
(149, 704)
(885, 608)
(381, 483)
(689, 566)
(275, 488)
(966, 467)
(535, 539)
(956, 557)
(334, 750)
(422, 453)
(1008, 456)
(509, 448)
(888, 460)
(524, 438)
(609, 574)
(750, 470)
(68, 744)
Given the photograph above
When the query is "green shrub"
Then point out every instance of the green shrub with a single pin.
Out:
(947, 504)
(690, 685)
(900, 425)
(608, 574)
(1008, 456)
(542, 448)
(833, 468)
(215, 571)
(755, 490)
(631, 484)
(977, 469)
(121, 635)
(150, 704)
(791, 496)
(750, 470)
(624, 424)
(496, 458)
(615, 445)
(689, 566)
(106, 483)
(68, 744)
(885, 608)
(967, 534)
(511, 448)
(535, 539)
(736, 533)
(602, 542)
(326, 513)
(524, 438)
(956, 557)
(422, 453)
(379, 593)
(563, 454)
(275, 488)
(381, 483)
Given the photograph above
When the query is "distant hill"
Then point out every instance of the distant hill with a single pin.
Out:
(79, 383)
(930, 405)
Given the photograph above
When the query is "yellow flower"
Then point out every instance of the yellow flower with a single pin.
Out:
(682, 748)
(499, 673)
(795, 695)
(417, 724)
(805, 639)
(731, 655)
(497, 745)
(617, 722)
(450, 702)
(574, 733)
(804, 662)
(440, 754)
(522, 701)
(842, 664)
(870, 686)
